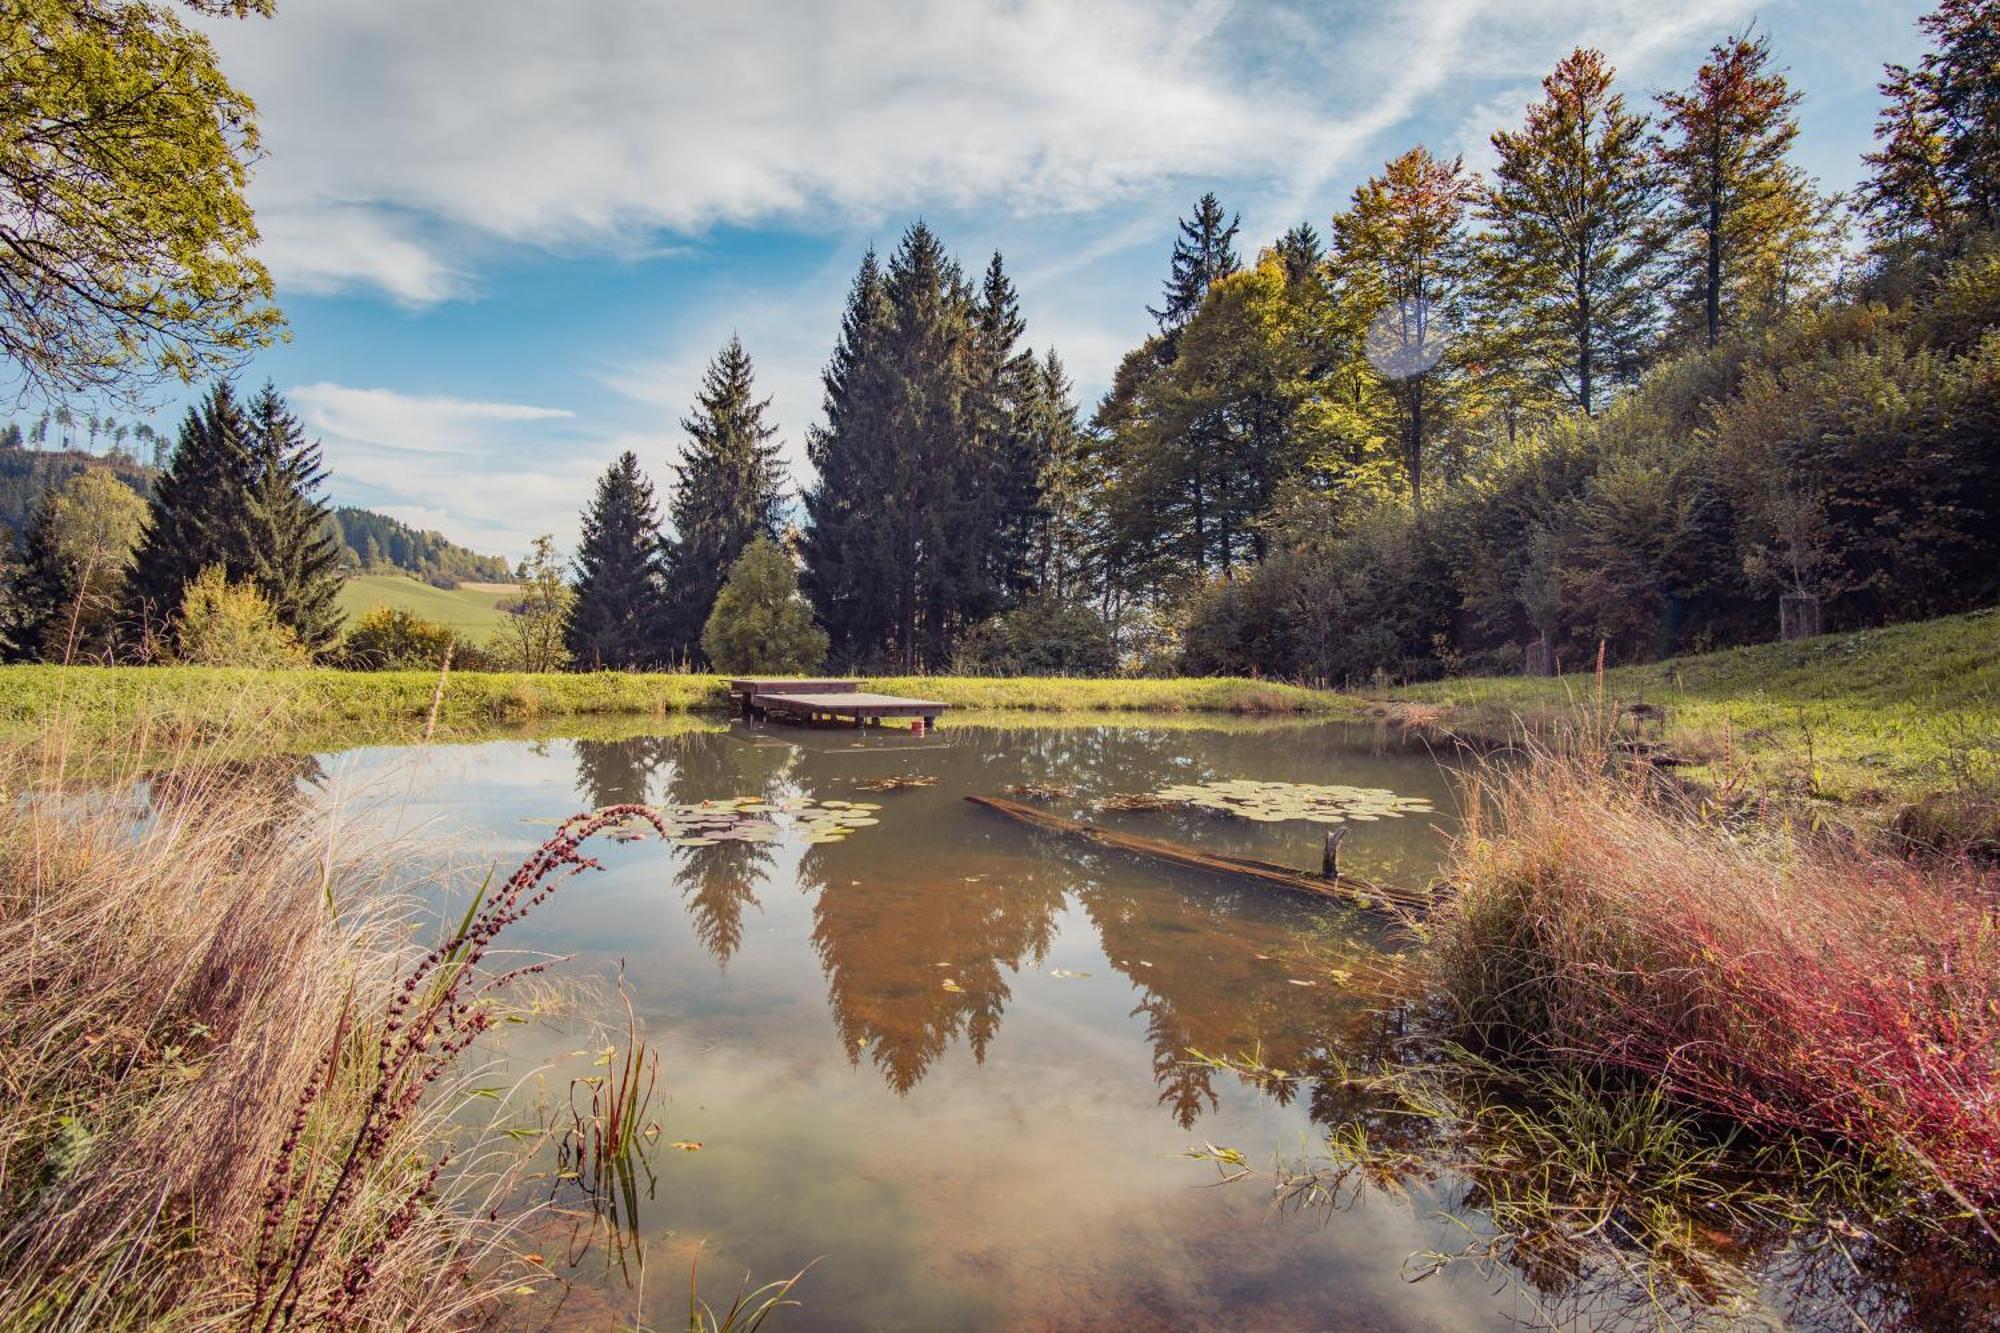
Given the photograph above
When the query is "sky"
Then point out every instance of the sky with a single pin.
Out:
(508, 234)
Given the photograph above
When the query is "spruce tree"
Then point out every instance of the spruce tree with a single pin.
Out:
(729, 490)
(845, 578)
(1571, 212)
(1937, 172)
(1299, 250)
(620, 609)
(199, 515)
(293, 553)
(1004, 472)
(41, 591)
(1204, 252)
(1742, 217)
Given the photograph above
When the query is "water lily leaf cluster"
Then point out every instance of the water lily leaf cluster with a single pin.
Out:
(751, 819)
(1276, 802)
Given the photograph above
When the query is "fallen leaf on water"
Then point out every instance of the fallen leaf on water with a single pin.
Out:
(1144, 963)
(687, 1145)
(1261, 957)
(1064, 974)
(951, 985)
(1296, 982)
(533, 1259)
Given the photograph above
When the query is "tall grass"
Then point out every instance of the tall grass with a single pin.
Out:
(1783, 981)
(181, 954)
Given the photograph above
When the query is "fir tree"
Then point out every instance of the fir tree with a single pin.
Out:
(992, 550)
(199, 514)
(1204, 253)
(729, 490)
(293, 554)
(620, 607)
(843, 578)
(42, 589)
(1743, 214)
(1570, 213)
(1299, 250)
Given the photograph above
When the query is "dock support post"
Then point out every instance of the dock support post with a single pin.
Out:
(1329, 860)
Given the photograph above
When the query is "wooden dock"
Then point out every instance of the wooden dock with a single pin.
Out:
(827, 700)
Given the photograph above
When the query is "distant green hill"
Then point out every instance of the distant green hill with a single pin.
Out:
(26, 473)
(472, 610)
(373, 540)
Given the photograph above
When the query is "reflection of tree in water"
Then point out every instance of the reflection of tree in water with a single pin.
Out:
(619, 772)
(718, 882)
(1194, 954)
(881, 926)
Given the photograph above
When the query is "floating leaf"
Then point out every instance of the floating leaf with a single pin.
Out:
(1064, 974)
(953, 986)
(686, 1145)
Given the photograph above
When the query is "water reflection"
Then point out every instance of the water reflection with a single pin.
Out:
(923, 926)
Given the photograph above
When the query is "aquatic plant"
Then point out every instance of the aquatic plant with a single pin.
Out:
(1276, 802)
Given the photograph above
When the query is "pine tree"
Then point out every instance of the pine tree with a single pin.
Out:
(620, 609)
(41, 591)
(1570, 214)
(992, 550)
(844, 579)
(759, 624)
(199, 515)
(293, 556)
(1741, 215)
(729, 490)
(1058, 538)
(1204, 253)
(1299, 250)
(1937, 172)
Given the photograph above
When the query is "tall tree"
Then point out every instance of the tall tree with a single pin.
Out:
(41, 588)
(293, 553)
(1570, 214)
(728, 490)
(1300, 251)
(1059, 537)
(1937, 170)
(991, 553)
(1405, 265)
(620, 609)
(126, 242)
(845, 578)
(1741, 215)
(1204, 253)
(198, 514)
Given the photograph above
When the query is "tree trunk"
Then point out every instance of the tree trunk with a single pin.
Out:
(1798, 616)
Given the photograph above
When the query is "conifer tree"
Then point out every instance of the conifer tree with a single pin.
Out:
(1570, 215)
(41, 590)
(619, 614)
(1204, 253)
(198, 517)
(844, 578)
(993, 549)
(728, 490)
(1058, 538)
(294, 554)
(1741, 216)
(1299, 250)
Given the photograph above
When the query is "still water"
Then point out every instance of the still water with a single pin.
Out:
(946, 1058)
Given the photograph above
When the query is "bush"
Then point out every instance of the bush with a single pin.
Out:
(230, 624)
(760, 623)
(1043, 636)
(388, 638)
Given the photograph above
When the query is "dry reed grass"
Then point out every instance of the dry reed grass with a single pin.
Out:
(182, 950)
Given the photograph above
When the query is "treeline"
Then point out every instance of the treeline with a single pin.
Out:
(372, 543)
(228, 559)
(26, 475)
(1636, 390)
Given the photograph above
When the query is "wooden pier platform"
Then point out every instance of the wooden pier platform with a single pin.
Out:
(819, 700)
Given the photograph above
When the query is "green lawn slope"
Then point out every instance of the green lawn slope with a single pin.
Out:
(471, 609)
(1861, 717)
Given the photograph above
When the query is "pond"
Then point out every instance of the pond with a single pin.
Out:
(943, 1058)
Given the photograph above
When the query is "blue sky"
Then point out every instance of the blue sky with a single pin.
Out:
(509, 234)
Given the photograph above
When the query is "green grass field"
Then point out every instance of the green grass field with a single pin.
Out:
(1865, 717)
(471, 609)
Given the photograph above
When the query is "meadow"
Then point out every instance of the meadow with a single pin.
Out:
(472, 609)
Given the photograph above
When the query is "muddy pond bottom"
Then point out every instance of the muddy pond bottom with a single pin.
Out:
(949, 1062)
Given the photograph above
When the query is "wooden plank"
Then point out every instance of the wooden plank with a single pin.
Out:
(1344, 887)
(858, 704)
(792, 685)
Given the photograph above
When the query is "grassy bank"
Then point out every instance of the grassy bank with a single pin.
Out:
(1869, 718)
(471, 609)
(324, 700)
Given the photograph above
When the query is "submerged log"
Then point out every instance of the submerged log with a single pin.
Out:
(1343, 887)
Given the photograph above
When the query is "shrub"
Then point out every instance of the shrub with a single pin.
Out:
(230, 624)
(1043, 636)
(389, 638)
(760, 623)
